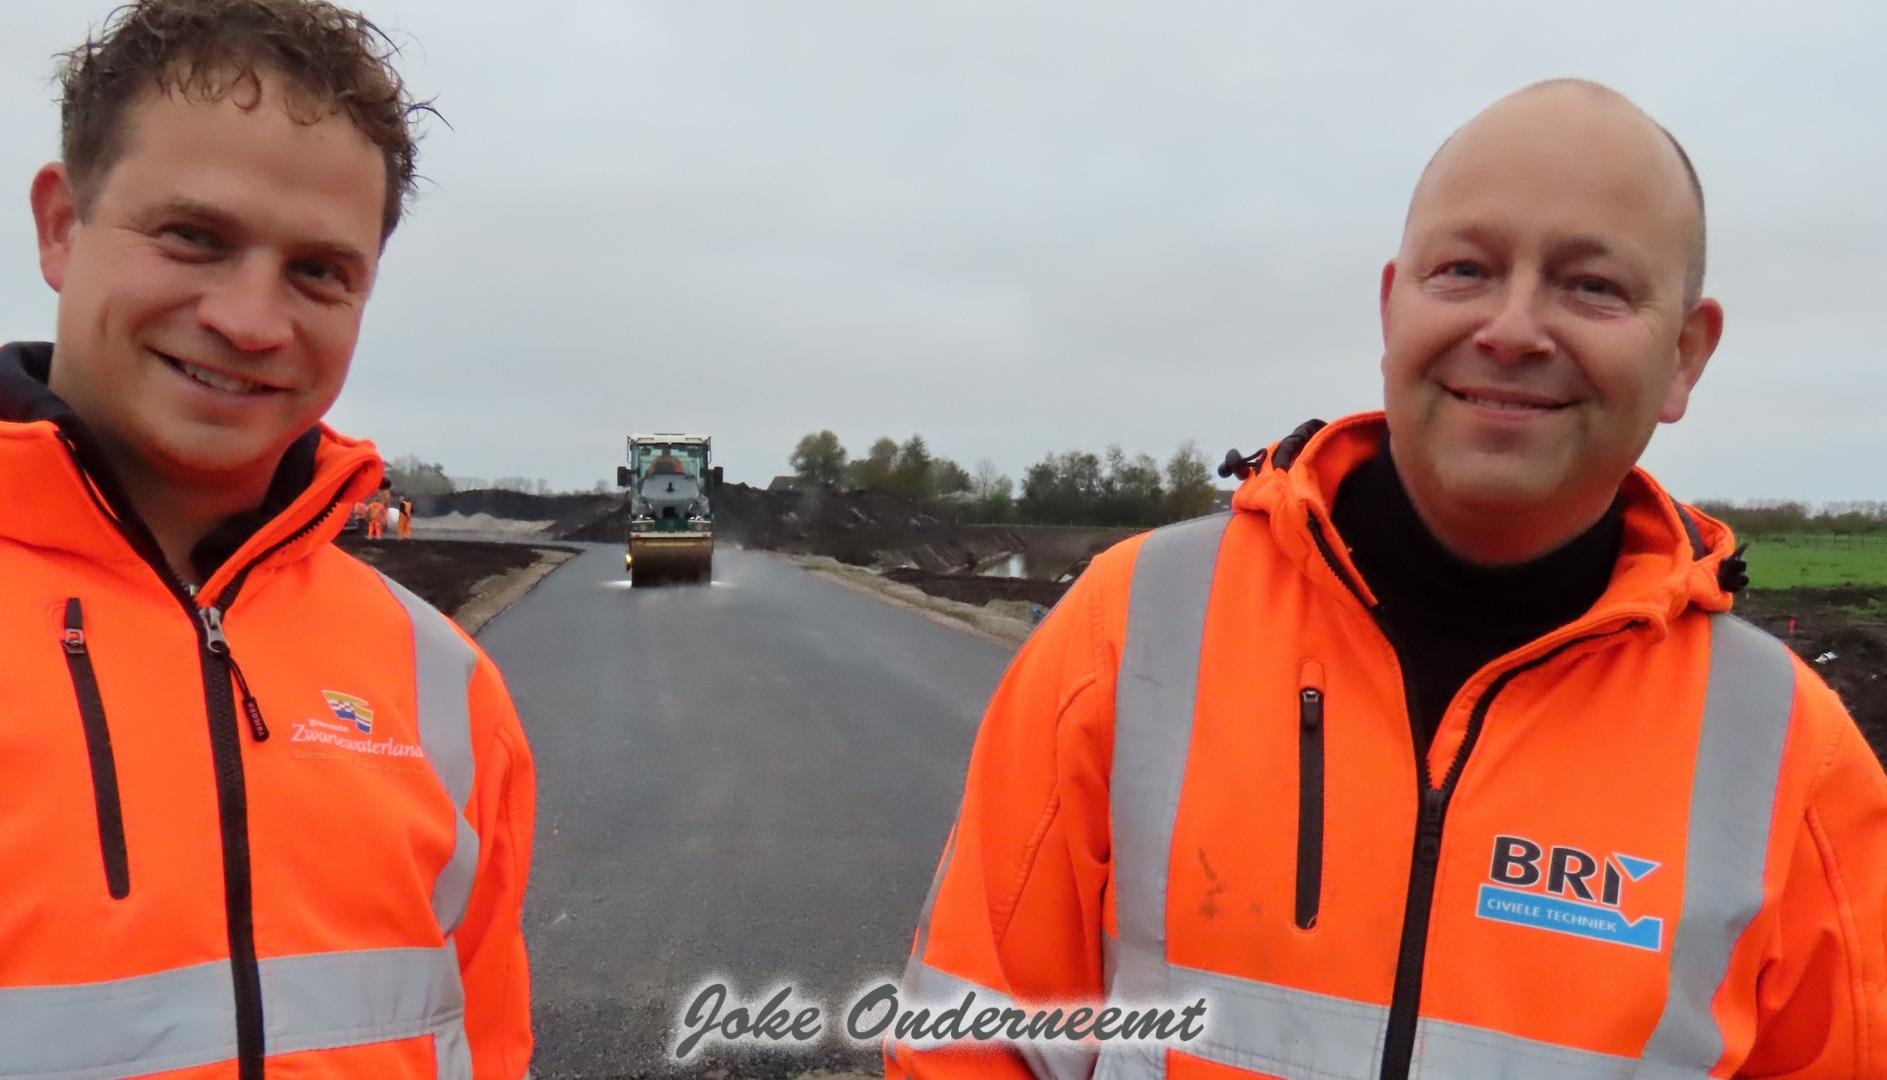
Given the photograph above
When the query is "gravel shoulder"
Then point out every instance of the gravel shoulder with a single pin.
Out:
(1002, 622)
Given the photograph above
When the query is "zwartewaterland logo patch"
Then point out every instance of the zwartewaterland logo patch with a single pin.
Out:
(350, 735)
(349, 709)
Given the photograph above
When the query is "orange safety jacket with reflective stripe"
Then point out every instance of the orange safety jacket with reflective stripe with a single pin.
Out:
(1650, 844)
(280, 824)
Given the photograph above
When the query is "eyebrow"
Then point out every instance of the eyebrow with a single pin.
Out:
(216, 216)
(1580, 247)
(1560, 248)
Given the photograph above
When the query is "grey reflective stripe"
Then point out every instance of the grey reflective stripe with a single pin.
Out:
(1251, 1025)
(1153, 708)
(452, 1051)
(452, 891)
(443, 664)
(926, 986)
(1154, 694)
(1732, 802)
(185, 1017)
(1298, 1035)
(923, 919)
(1446, 1050)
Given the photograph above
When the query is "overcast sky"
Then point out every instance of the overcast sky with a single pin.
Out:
(1023, 227)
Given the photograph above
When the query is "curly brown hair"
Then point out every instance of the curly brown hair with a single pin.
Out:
(329, 59)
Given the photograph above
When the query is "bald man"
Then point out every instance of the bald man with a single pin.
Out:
(1440, 755)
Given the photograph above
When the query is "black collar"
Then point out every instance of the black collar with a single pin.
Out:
(1410, 570)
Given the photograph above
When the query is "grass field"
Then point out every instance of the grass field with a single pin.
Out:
(1807, 560)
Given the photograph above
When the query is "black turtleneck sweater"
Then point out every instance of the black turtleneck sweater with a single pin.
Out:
(1447, 617)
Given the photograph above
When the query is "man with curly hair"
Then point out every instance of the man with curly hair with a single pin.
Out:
(267, 811)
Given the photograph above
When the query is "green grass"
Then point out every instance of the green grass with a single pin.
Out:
(1807, 560)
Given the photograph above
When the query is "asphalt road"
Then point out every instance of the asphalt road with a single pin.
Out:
(750, 781)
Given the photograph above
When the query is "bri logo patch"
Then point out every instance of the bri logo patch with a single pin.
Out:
(349, 709)
(1568, 891)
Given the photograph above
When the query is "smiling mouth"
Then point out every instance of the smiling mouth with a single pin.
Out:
(1508, 404)
(228, 384)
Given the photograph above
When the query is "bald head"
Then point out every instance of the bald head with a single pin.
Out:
(1542, 317)
(1600, 117)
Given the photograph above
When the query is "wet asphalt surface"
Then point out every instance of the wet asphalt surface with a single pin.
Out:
(749, 781)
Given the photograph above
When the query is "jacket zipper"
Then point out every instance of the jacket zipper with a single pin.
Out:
(232, 802)
(213, 640)
(105, 799)
(218, 666)
(1310, 805)
(1405, 1005)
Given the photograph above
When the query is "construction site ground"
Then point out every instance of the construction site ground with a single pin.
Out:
(470, 580)
(1848, 650)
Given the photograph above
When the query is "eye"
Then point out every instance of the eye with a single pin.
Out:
(1461, 268)
(321, 273)
(1588, 285)
(316, 269)
(185, 235)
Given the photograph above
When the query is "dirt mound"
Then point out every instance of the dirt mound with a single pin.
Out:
(609, 527)
(1846, 649)
(862, 528)
(566, 513)
(973, 589)
(444, 573)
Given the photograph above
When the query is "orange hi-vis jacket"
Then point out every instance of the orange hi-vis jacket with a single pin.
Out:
(277, 825)
(1650, 844)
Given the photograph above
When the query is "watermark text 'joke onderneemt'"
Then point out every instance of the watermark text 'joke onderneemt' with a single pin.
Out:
(715, 1016)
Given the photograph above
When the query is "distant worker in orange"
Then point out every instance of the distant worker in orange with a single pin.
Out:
(1440, 755)
(406, 518)
(377, 512)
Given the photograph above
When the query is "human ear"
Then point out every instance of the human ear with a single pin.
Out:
(1696, 341)
(55, 211)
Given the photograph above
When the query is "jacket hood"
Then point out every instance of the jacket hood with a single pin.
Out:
(61, 494)
(1672, 557)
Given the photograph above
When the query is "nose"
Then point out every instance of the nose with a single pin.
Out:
(248, 308)
(1514, 332)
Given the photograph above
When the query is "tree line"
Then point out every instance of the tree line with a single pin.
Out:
(1768, 517)
(415, 476)
(1073, 487)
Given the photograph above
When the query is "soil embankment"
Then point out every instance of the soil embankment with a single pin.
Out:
(471, 581)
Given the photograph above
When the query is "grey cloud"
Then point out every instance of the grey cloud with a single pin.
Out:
(1017, 228)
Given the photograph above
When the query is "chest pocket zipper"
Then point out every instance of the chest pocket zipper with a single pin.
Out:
(105, 799)
(1310, 805)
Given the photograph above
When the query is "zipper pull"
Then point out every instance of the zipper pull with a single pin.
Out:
(213, 638)
(214, 641)
(74, 639)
